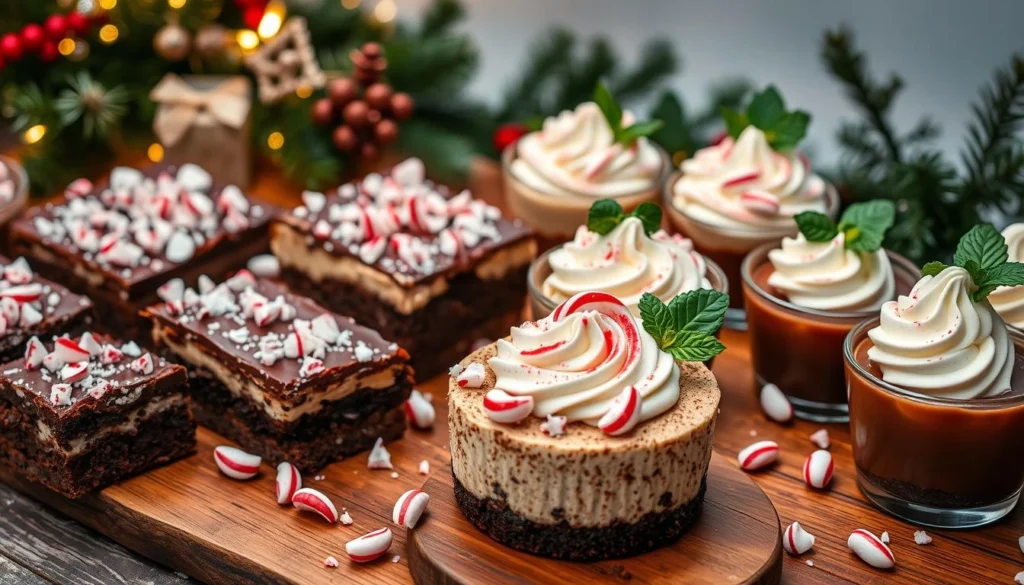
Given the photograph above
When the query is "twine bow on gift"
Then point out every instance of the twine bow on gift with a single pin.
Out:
(182, 105)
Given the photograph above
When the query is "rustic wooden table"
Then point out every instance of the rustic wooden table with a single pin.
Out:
(38, 546)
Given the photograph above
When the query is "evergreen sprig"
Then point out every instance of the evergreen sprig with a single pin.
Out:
(936, 204)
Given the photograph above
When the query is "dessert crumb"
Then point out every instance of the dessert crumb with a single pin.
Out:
(809, 562)
(753, 433)
(921, 537)
(331, 563)
(396, 558)
(394, 475)
(1019, 578)
(885, 537)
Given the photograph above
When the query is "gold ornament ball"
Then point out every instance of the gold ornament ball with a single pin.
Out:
(211, 40)
(172, 42)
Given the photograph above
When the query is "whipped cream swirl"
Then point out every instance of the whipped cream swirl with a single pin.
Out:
(939, 342)
(1008, 301)
(626, 263)
(826, 276)
(746, 186)
(575, 154)
(577, 365)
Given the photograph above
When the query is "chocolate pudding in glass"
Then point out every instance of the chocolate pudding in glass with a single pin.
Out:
(936, 393)
(553, 176)
(800, 349)
(735, 196)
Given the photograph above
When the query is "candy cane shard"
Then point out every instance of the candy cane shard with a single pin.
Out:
(760, 454)
(369, 547)
(311, 500)
(289, 481)
(502, 407)
(796, 541)
(235, 463)
(410, 507)
(871, 549)
(775, 404)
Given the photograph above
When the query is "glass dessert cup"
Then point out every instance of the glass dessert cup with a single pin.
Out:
(934, 461)
(800, 350)
(555, 219)
(728, 247)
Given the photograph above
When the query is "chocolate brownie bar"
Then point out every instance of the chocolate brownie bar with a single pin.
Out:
(281, 375)
(81, 414)
(117, 244)
(31, 305)
(428, 269)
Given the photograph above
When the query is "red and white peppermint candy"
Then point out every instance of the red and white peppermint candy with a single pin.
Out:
(419, 411)
(100, 389)
(235, 463)
(60, 394)
(69, 351)
(294, 346)
(78, 188)
(180, 247)
(310, 367)
(321, 230)
(311, 500)
(369, 547)
(410, 507)
(380, 457)
(35, 351)
(331, 563)
(143, 364)
(110, 355)
(172, 290)
(289, 481)
(775, 404)
(760, 203)
(502, 407)
(10, 310)
(624, 413)
(52, 362)
(818, 469)
(72, 373)
(265, 314)
(450, 243)
(325, 327)
(821, 439)
(89, 344)
(241, 280)
(371, 250)
(760, 454)
(264, 266)
(871, 549)
(23, 293)
(231, 198)
(795, 540)
(472, 376)
(18, 272)
(29, 316)
(554, 426)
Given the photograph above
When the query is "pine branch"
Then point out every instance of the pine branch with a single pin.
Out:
(578, 81)
(549, 56)
(447, 154)
(441, 17)
(845, 62)
(657, 61)
(729, 93)
(435, 65)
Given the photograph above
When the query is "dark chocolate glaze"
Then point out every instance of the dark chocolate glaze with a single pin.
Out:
(134, 282)
(282, 379)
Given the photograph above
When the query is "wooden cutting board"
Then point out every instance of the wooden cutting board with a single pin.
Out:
(735, 540)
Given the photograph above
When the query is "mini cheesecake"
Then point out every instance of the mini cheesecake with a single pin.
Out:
(559, 485)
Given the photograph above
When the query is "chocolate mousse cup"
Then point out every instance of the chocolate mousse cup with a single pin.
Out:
(728, 247)
(13, 207)
(800, 350)
(554, 219)
(933, 461)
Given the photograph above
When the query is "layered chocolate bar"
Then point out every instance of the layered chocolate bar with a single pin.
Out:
(431, 270)
(80, 414)
(31, 305)
(279, 374)
(119, 243)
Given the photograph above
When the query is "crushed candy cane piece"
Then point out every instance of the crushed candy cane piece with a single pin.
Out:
(922, 538)
(472, 376)
(235, 463)
(796, 540)
(409, 508)
(870, 549)
(379, 458)
(821, 439)
(775, 404)
(311, 500)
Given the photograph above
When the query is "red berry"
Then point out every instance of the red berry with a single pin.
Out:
(56, 26)
(10, 46)
(32, 37)
(508, 134)
(48, 52)
(252, 16)
(78, 23)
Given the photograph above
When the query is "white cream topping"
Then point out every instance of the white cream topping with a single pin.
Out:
(626, 263)
(939, 342)
(826, 276)
(575, 154)
(576, 366)
(744, 185)
(1008, 301)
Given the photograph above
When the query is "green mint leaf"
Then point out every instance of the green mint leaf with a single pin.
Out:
(609, 107)
(694, 346)
(1008, 274)
(674, 136)
(650, 215)
(639, 130)
(701, 310)
(865, 224)
(735, 121)
(816, 227)
(657, 320)
(767, 109)
(789, 131)
(933, 268)
(604, 215)
(978, 274)
(984, 245)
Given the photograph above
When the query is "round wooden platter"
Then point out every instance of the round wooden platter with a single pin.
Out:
(736, 539)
